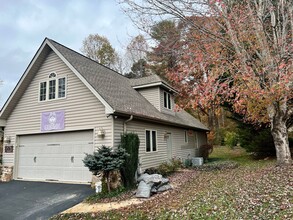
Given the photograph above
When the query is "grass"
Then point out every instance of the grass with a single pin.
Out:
(254, 190)
(238, 155)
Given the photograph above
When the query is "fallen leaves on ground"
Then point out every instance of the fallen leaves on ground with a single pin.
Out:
(249, 192)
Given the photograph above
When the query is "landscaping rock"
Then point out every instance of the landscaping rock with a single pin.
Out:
(115, 179)
(7, 172)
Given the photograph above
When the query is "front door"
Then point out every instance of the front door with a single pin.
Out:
(169, 146)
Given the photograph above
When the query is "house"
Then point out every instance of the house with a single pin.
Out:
(66, 105)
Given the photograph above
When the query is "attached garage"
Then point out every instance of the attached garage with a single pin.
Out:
(54, 156)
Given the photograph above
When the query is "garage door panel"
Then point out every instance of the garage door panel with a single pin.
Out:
(55, 156)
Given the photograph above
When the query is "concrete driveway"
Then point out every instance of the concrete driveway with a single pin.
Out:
(38, 200)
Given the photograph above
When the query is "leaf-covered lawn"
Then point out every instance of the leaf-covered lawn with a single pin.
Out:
(254, 190)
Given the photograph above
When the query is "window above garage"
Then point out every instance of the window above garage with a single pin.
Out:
(53, 88)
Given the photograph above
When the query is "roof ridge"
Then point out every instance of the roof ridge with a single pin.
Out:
(80, 54)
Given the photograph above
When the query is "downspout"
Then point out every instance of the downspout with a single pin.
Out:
(125, 122)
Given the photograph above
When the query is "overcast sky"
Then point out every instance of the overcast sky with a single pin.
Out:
(25, 23)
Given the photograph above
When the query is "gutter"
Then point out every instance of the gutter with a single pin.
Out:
(125, 122)
(161, 121)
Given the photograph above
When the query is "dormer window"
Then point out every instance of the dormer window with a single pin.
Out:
(167, 100)
(54, 88)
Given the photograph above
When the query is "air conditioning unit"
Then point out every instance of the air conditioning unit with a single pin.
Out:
(197, 161)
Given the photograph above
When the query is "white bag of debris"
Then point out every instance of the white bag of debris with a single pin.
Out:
(143, 190)
(164, 188)
(149, 184)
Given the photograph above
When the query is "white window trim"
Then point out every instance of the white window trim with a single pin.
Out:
(167, 95)
(151, 141)
(48, 88)
(185, 136)
(56, 89)
(39, 89)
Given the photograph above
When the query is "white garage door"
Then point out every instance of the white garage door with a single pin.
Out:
(56, 156)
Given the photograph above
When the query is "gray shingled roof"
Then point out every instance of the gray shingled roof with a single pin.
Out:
(118, 92)
(147, 80)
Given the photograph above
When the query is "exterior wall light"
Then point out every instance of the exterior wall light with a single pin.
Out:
(7, 139)
(101, 132)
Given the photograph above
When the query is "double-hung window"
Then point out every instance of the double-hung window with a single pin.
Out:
(151, 140)
(167, 100)
(61, 88)
(43, 91)
(54, 88)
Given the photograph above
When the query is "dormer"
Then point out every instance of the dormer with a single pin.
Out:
(157, 91)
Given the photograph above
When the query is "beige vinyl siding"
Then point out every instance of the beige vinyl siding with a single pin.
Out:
(82, 109)
(202, 138)
(180, 149)
(118, 130)
(163, 109)
(152, 94)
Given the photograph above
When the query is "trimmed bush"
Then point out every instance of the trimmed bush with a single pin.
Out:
(106, 160)
(223, 165)
(130, 142)
(166, 168)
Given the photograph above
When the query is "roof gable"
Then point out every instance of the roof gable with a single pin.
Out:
(115, 91)
(34, 65)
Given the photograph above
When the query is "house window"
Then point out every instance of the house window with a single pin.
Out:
(61, 88)
(167, 100)
(43, 91)
(52, 88)
(151, 140)
(52, 75)
(55, 88)
(186, 136)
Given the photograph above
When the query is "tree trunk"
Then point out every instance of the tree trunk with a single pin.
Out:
(210, 119)
(280, 135)
(108, 181)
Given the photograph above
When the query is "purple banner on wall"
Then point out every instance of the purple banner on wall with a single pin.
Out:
(52, 121)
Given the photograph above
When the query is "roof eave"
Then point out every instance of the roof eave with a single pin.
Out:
(160, 121)
(155, 84)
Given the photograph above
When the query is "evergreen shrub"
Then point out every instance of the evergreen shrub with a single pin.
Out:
(130, 142)
(105, 160)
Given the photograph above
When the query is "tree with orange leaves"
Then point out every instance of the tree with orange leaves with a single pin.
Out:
(235, 52)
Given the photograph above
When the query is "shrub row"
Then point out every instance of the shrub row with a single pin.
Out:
(221, 165)
(166, 168)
